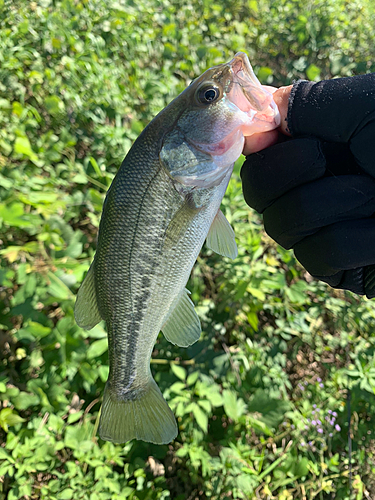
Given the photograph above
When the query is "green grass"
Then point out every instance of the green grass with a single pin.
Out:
(78, 82)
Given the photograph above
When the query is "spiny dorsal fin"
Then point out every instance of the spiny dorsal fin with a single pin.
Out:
(86, 310)
(182, 326)
(221, 238)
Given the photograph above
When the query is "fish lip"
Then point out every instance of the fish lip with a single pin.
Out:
(240, 62)
(259, 104)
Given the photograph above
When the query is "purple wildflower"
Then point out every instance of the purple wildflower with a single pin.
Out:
(337, 427)
(319, 379)
(334, 414)
(313, 422)
(330, 434)
(321, 385)
(320, 430)
(330, 411)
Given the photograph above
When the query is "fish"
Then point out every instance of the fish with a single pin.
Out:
(162, 205)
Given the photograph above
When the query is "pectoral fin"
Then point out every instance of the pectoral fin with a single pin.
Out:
(86, 310)
(182, 326)
(221, 238)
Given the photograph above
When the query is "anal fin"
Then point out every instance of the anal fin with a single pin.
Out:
(182, 327)
(221, 237)
(86, 310)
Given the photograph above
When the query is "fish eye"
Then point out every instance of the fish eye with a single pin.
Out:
(208, 94)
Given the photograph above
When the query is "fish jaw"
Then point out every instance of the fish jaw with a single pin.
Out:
(248, 95)
(251, 107)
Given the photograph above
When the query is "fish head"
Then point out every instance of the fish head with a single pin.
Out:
(221, 107)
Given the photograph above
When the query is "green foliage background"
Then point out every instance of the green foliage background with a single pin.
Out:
(78, 82)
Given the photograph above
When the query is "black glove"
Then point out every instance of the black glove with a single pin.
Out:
(317, 190)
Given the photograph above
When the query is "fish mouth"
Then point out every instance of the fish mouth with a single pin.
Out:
(247, 94)
(251, 104)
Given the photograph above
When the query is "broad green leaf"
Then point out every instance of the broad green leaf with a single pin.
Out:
(24, 400)
(206, 405)
(67, 494)
(201, 417)
(313, 73)
(264, 73)
(256, 292)
(302, 467)
(192, 378)
(8, 418)
(97, 332)
(272, 410)
(37, 330)
(4, 455)
(179, 371)
(54, 105)
(22, 146)
(215, 398)
(234, 407)
(14, 216)
(103, 371)
(97, 348)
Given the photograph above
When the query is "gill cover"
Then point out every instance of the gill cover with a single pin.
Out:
(186, 164)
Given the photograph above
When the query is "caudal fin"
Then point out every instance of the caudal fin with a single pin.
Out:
(147, 417)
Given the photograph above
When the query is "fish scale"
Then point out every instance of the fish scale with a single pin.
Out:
(162, 204)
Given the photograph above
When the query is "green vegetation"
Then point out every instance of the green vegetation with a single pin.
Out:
(262, 399)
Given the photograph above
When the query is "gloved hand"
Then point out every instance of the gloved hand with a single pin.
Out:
(317, 190)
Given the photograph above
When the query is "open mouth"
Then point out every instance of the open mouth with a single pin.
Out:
(248, 95)
(252, 107)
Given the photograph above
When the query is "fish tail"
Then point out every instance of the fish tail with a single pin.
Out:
(146, 416)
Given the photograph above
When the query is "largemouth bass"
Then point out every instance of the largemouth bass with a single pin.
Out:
(160, 208)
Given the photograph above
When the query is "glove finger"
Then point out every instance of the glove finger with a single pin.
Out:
(306, 209)
(340, 159)
(343, 246)
(272, 172)
(369, 281)
(336, 110)
(360, 280)
(352, 280)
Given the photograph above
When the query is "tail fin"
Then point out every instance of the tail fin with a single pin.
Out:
(147, 417)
